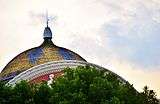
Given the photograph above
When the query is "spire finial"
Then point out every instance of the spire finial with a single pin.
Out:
(47, 31)
(47, 19)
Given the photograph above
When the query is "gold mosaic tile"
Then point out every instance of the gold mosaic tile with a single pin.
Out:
(39, 55)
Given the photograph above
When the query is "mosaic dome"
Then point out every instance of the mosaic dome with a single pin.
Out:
(46, 52)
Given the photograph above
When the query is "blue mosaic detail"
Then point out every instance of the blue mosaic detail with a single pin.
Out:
(10, 76)
(34, 55)
(66, 54)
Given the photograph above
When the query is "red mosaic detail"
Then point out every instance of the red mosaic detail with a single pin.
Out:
(45, 77)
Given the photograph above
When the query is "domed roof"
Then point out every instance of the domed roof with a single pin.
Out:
(46, 52)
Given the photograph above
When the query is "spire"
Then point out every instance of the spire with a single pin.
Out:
(47, 31)
(47, 19)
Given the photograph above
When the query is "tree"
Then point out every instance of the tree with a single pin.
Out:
(22, 94)
(5, 93)
(149, 96)
(81, 85)
(89, 85)
(42, 94)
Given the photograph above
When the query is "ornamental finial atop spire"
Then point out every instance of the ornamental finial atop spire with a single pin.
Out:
(47, 32)
(47, 19)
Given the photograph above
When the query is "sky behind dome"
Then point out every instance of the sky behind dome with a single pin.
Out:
(122, 36)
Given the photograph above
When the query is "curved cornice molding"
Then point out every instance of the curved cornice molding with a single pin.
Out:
(53, 66)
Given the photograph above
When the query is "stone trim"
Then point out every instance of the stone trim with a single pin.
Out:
(54, 66)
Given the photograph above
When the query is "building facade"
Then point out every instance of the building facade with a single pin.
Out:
(43, 63)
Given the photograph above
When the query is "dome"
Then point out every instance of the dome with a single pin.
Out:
(46, 52)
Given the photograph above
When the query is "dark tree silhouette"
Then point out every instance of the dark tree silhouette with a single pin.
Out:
(81, 85)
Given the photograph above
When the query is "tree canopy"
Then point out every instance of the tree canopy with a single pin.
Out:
(81, 85)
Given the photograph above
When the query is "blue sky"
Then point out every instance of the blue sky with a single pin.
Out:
(122, 36)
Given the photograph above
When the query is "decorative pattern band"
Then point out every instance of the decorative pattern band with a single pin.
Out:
(53, 66)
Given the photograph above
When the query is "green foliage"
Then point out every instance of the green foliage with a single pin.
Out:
(42, 94)
(149, 96)
(82, 85)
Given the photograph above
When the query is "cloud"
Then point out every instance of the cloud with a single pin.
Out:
(133, 34)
